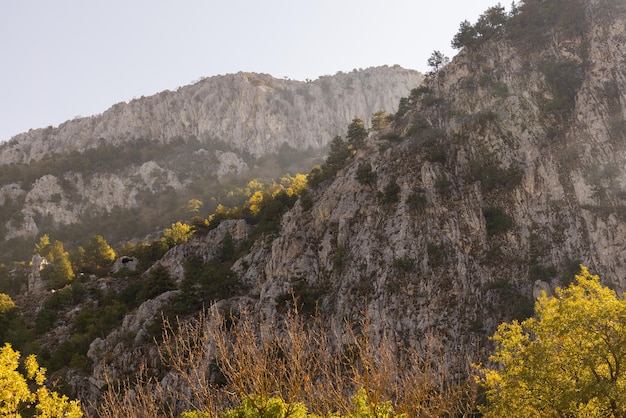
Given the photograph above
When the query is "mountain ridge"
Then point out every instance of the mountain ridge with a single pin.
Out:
(238, 99)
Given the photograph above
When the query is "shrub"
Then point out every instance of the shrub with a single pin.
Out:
(157, 282)
(497, 221)
(390, 193)
(565, 361)
(501, 90)
(536, 20)
(404, 264)
(205, 283)
(444, 186)
(226, 361)
(17, 394)
(565, 78)
(416, 200)
(492, 177)
(436, 255)
(365, 175)
(539, 272)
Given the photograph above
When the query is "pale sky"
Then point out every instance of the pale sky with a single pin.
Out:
(63, 58)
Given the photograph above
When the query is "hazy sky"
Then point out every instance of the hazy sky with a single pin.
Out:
(64, 58)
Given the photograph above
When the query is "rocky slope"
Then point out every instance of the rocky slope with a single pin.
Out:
(499, 176)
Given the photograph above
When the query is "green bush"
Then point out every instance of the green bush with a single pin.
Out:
(496, 220)
(157, 282)
(416, 200)
(443, 186)
(436, 255)
(537, 20)
(306, 200)
(501, 90)
(205, 283)
(390, 193)
(564, 78)
(404, 264)
(539, 272)
(365, 175)
(492, 177)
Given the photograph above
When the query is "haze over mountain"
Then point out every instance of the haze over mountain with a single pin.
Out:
(493, 181)
(174, 146)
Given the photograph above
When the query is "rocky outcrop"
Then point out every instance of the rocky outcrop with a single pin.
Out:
(35, 284)
(206, 247)
(124, 351)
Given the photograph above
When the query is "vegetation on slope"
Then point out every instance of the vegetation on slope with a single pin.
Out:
(272, 374)
(25, 394)
(565, 361)
(259, 369)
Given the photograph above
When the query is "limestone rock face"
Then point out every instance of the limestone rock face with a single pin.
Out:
(35, 282)
(500, 196)
(252, 112)
(124, 350)
(206, 247)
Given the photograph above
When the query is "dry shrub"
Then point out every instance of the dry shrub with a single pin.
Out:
(144, 398)
(218, 360)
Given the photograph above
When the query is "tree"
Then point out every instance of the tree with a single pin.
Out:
(59, 272)
(356, 132)
(194, 205)
(338, 156)
(6, 281)
(466, 36)
(493, 18)
(7, 312)
(178, 233)
(437, 60)
(365, 175)
(566, 361)
(380, 121)
(16, 396)
(98, 255)
(43, 245)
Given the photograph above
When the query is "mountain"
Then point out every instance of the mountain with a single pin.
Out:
(497, 177)
(163, 150)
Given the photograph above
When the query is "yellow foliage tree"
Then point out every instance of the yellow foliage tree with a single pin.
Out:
(98, 255)
(255, 201)
(16, 396)
(178, 233)
(567, 361)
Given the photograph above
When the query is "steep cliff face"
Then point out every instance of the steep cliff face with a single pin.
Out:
(503, 181)
(251, 112)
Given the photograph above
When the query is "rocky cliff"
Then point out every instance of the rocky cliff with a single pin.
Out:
(500, 174)
(252, 112)
(497, 180)
(162, 150)
(506, 173)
